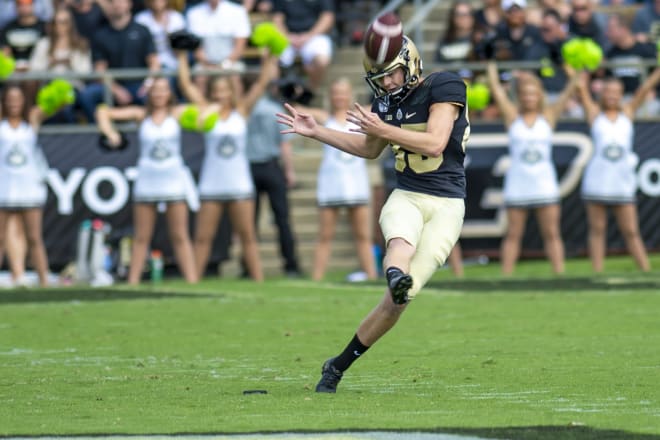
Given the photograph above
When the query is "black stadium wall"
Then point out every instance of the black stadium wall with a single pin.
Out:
(86, 182)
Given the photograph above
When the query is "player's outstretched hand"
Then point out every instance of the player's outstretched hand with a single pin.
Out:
(367, 122)
(300, 123)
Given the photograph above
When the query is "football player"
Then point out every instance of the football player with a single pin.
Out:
(425, 122)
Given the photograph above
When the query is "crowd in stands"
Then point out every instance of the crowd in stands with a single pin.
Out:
(84, 36)
(513, 30)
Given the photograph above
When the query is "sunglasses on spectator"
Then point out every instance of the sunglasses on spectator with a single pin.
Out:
(580, 8)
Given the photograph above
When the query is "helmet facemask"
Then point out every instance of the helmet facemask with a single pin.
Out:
(408, 60)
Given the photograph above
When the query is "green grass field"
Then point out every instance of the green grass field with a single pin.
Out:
(528, 357)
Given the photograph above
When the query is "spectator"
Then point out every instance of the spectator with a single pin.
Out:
(646, 23)
(122, 44)
(63, 50)
(162, 176)
(530, 183)
(43, 9)
(553, 35)
(625, 49)
(162, 21)
(585, 22)
(271, 165)
(609, 179)
(262, 6)
(89, 15)
(535, 15)
(490, 16)
(20, 35)
(225, 181)
(22, 172)
(456, 44)
(224, 28)
(514, 39)
(307, 24)
(343, 182)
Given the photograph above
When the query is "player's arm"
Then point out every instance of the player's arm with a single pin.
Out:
(356, 144)
(431, 143)
(504, 104)
(105, 116)
(556, 109)
(269, 71)
(189, 89)
(591, 109)
(641, 92)
(36, 117)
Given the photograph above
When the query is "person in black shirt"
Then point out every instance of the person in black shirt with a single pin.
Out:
(553, 35)
(586, 23)
(425, 122)
(19, 37)
(514, 38)
(627, 51)
(122, 44)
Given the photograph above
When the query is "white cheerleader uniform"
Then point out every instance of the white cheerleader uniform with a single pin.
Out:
(162, 174)
(22, 175)
(531, 179)
(609, 177)
(225, 173)
(343, 179)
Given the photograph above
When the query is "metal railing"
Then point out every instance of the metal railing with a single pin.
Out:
(107, 77)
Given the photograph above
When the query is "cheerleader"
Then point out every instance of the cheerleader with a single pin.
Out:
(609, 180)
(343, 181)
(162, 175)
(530, 182)
(22, 174)
(225, 179)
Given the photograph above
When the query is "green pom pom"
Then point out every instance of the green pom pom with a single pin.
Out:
(47, 100)
(263, 34)
(592, 54)
(267, 35)
(571, 51)
(209, 122)
(278, 43)
(478, 96)
(188, 118)
(64, 91)
(7, 65)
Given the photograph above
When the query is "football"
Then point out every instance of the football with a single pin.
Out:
(384, 38)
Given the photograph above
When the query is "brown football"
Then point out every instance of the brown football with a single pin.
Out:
(384, 38)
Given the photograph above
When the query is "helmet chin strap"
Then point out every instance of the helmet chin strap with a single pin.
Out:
(396, 96)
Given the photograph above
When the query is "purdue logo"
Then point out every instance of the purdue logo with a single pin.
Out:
(16, 157)
(613, 152)
(159, 152)
(226, 147)
(531, 156)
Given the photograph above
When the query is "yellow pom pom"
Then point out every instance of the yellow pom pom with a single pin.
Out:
(188, 118)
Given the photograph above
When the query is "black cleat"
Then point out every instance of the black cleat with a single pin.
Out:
(399, 285)
(330, 377)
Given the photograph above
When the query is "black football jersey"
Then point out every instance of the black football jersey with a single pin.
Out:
(442, 176)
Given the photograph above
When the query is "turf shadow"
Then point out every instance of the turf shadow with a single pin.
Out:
(18, 296)
(546, 284)
(549, 433)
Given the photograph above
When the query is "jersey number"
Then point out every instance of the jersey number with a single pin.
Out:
(417, 162)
